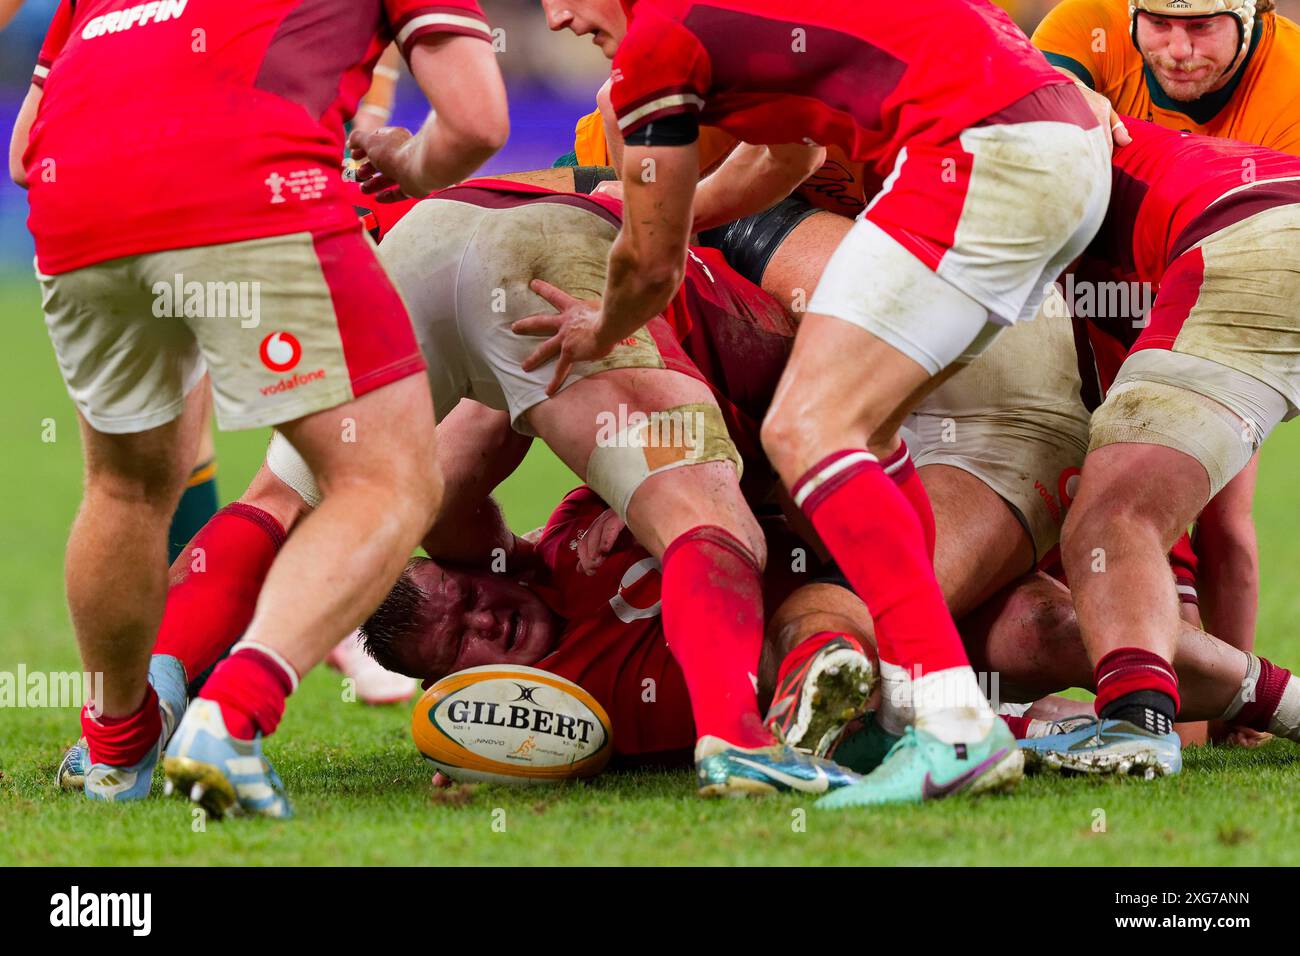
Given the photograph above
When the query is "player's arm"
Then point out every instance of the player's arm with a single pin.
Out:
(469, 121)
(22, 130)
(646, 263)
(376, 107)
(648, 257)
(751, 179)
(477, 450)
(1228, 575)
(55, 38)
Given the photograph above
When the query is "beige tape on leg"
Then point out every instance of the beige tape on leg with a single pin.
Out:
(1154, 413)
(632, 446)
(287, 465)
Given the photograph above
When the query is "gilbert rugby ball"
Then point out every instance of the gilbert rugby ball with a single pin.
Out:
(503, 723)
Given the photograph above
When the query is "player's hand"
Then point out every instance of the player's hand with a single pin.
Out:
(598, 540)
(610, 187)
(1105, 112)
(575, 333)
(384, 163)
(1234, 735)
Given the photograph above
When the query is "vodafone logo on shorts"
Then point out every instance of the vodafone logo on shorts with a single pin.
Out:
(280, 351)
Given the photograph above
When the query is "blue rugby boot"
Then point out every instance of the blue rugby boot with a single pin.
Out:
(1106, 747)
(221, 773)
(724, 770)
(101, 781)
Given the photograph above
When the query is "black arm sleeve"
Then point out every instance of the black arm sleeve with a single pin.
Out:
(679, 129)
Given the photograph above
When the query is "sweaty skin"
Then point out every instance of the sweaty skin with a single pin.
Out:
(467, 618)
(1190, 56)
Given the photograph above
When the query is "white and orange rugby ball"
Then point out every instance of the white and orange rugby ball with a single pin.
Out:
(503, 723)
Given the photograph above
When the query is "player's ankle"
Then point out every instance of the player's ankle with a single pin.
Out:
(1138, 686)
(123, 741)
(802, 652)
(250, 687)
(950, 705)
(1149, 709)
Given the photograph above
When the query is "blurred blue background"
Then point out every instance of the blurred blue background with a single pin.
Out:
(551, 78)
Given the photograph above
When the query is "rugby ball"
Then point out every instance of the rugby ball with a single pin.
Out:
(504, 723)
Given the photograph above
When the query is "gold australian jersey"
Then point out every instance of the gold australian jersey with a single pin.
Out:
(1260, 105)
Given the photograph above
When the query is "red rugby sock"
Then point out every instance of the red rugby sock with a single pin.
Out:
(902, 472)
(876, 538)
(215, 583)
(123, 741)
(713, 622)
(1019, 726)
(1257, 714)
(1132, 670)
(250, 686)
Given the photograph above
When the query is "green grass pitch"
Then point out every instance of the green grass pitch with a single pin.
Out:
(363, 795)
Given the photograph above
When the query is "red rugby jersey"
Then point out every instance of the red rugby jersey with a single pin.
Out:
(176, 123)
(866, 77)
(613, 643)
(1169, 191)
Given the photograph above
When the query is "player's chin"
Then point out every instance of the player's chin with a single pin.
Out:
(1186, 92)
(1185, 89)
(608, 45)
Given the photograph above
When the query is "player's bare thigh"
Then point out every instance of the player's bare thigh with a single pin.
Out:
(668, 503)
(843, 388)
(797, 264)
(980, 547)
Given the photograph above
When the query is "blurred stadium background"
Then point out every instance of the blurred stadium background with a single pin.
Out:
(551, 79)
(1243, 813)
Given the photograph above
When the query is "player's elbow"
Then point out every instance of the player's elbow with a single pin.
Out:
(481, 132)
(490, 133)
(794, 163)
(655, 275)
(659, 281)
(16, 170)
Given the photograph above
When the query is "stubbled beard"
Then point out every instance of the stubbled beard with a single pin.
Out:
(1187, 91)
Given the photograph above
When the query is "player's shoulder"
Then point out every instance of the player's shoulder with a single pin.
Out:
(1090, 38)
(1282, 49)
(1069, 17)
(1270, 110)
(670, 10)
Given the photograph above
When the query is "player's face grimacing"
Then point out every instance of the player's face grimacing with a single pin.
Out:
(605, 20)
(1190, 56)
(439, 620)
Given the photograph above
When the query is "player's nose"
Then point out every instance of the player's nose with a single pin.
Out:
(479, 620)
(1180, 43)
(557, 17)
